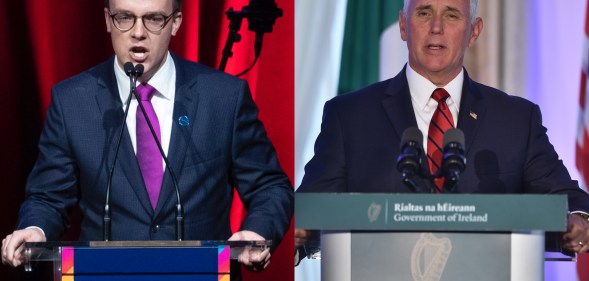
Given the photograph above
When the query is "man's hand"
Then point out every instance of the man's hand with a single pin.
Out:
(13, 245)
(301, 237)
(253, 259)
(576, 238)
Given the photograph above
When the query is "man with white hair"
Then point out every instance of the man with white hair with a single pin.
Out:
(506, 146)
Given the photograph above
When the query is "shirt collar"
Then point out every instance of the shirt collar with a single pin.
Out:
(161, 81)
(421, 89)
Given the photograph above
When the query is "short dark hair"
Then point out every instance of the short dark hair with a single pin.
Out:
(176, 4)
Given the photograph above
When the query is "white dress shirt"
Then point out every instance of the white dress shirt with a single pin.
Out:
(164, 81)
(424, 105)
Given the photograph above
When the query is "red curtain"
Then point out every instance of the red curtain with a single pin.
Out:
(45, 41)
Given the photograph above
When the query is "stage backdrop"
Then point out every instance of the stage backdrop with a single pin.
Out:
(45, 41)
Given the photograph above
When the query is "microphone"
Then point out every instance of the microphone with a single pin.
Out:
(179, 209)
(454, 161)
(137, 71)
(409, 161)
(261, 16)
(129, 68)
(133, 74)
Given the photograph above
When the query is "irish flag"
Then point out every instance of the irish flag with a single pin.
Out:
(372, 48)
(340, 46)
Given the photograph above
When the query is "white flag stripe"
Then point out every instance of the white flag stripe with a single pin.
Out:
(393, 52)
(318, 47)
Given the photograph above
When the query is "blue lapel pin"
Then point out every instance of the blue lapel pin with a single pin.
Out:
(183, 121)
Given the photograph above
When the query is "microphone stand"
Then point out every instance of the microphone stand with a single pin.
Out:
(235, 20)
(179, 209)
(134, 73)
(106, 219)
(261, 16)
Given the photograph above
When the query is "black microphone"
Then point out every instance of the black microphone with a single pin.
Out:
(129, 68)
(261, 16)
(179, 208)
(137, 71)
(409, 161)
(133, 74)
(454, 161)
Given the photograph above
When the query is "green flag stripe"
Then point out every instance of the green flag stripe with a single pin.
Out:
(365, 21)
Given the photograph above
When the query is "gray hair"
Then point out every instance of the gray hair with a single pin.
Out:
(473, 11)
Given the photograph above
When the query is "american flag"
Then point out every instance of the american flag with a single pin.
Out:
(582, 146)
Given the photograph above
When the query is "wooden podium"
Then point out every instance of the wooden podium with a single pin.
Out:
(433, 237)
(140, 260)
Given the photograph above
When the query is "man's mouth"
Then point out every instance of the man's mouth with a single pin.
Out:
(138, 53)
(435, 47)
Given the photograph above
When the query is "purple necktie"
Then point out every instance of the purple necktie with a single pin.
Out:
(148, 155)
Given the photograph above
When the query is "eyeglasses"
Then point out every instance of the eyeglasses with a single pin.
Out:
(152, 22)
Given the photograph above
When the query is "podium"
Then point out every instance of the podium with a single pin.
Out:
(433, 237)
(140, 260)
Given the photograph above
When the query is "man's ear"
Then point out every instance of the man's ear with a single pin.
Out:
(107, 20)
(176, 22)
(403, 25)
(477, 28)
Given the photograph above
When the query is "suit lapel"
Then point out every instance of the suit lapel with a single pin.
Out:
(110, 105)
(397, 104)
(185, 104)
(472, 111)
(399, 108)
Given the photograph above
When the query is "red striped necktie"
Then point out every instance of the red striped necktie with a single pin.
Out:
(441, 121)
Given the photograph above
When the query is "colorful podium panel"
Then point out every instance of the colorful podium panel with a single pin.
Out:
(141, 260)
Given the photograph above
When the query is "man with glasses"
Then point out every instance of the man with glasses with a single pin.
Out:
(206, 122)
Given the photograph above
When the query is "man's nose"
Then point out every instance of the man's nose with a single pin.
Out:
(138, 31)
(437, 25)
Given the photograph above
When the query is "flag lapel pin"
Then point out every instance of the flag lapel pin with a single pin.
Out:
(473, 115)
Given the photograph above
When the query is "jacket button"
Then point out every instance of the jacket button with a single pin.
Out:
(155, 228)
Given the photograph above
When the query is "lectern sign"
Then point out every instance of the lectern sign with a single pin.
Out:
(432, 212)
(431, 237)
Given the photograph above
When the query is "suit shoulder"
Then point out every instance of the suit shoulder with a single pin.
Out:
(503, 99)
(371, 93)
(204, 74)
(79, 82)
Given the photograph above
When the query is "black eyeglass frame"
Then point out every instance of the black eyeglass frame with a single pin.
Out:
(166, 20)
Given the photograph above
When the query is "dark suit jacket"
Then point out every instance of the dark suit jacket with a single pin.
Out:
(224, 146)
(507, 148)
